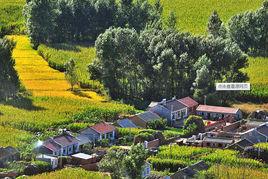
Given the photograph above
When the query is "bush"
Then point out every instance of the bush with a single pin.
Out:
(160, 124)
(166, 164)
(197, 120)
(42, 166)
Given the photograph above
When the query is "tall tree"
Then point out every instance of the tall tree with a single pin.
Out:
(135, 160)
(215, 26)
(113, 163)
(172, 21)
(9, 79)
(40, 21)
(70, 73)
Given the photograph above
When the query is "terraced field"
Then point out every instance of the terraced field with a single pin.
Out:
(40, 79)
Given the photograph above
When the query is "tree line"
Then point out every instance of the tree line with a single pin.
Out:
(9, 80)
(159, 63)
(250, 31)
(54, 21)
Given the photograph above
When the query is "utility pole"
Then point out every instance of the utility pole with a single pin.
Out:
(205, 100)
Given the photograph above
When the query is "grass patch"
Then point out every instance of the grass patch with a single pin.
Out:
(74, 173)
(13, 137)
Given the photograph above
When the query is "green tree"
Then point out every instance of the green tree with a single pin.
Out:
(113, 163)
(135, 160)
(196, 120)
(70, 73)
(172, 21)
(9, 79)
(214, 24)
(40, 21)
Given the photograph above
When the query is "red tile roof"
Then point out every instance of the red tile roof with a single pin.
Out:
(103, 128)
(189, 102)
(50, 144)
(217, 109)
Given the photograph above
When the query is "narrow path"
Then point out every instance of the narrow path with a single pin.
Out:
(40, 79)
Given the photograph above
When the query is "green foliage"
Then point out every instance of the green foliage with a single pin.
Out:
(171, 165)
(9, 79)
(197, 120)
(160, 124)
(75, 127)
(94, 114)
(84, 20)
(70, 73)
(155, 54)
(135, 160)
(113, 163)
(11, 19)
(42, 166)
(230, 158)
(249, 30)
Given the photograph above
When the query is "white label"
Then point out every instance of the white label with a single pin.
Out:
(232, 86)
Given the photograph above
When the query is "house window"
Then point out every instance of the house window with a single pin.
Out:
(173, 116)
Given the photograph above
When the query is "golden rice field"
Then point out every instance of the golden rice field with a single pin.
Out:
(40, 79)
(71, 173)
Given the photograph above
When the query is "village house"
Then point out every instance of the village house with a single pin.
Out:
(8, 154)
(126, 123)
(61, 145)
(190, 104)
(218, 112)
(173, 110)
(97, 132)
(144, 118)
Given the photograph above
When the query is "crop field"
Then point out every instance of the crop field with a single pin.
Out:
(46, 112)
(74, 173)
(226, 172)
(192, 15)
(59, 54)
(11, 18)
(38, 77)
(181, 156)
(13, 137)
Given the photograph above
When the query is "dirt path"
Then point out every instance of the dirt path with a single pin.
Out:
(40, 79)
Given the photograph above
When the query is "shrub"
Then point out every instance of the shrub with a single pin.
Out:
(197, 120)
(166, 164)
(42, 166)
(160, 124)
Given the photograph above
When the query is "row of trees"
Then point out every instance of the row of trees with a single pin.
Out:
(160, 63)
(250, 31)
(63, 20)
(9, 80)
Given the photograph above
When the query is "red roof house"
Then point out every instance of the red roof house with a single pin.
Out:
(103, 128)
(218, 112)
(190, 103)
(97, 132)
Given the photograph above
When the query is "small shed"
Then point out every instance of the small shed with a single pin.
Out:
(84, 159)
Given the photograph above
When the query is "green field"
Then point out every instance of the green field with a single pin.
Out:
(58, 54)
(193, 15)
(11, 18)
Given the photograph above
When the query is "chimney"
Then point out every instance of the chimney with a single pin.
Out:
(164, 101)
(174, 97)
